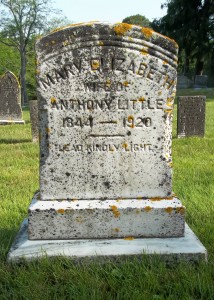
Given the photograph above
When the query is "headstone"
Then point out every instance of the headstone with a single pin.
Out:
(34, 117)
(201, 81)
(106, 95)
(10, 101)
(191, 116)
(105, 113)
(183, 82)
(105, 130)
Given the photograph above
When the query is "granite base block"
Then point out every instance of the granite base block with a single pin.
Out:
(90, 219)
(187, 248)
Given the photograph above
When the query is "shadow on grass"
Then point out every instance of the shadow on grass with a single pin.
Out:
(15, 141)
(7, 237)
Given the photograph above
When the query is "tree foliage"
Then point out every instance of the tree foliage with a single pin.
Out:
(9, 58)
(21, 21)
(137, 20)
(190, 23)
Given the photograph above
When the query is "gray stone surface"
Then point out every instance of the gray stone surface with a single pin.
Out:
(106, 94)
(187, 248)
(10, 101)
(183, 82)
(34, 118)
(201, 81)
(191, 116)
(93, 219)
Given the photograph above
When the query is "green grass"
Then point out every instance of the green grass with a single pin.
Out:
(148, 278)
(209, 93)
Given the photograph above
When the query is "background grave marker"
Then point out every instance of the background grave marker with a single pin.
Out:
(34, 118)
(191, 116)
(10, 101)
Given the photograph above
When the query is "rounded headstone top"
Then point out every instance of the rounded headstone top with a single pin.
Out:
(106, 95)
(97, 33)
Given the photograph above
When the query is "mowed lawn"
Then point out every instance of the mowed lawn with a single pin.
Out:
(148, 278)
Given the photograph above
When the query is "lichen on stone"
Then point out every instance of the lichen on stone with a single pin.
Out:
(169, 210)
(122, 28)
(129, 238)
(147, 208)
(147, 32)
(115, 211)
(61, 211)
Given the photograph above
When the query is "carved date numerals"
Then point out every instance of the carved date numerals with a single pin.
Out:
(133, 122)
(77, 122)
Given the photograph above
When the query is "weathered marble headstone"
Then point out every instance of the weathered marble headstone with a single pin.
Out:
(34, 117)
(191, 116)
(106, 96)
(106, 99)
(10, 101)
(201, 81)
(183, 82)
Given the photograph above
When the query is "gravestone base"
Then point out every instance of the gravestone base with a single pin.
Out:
(10, 122)
(91, 219)
(187, 248)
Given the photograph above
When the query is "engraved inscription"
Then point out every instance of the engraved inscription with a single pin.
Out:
(75, 104)
(133, 122)
(77, 122)
(107, 86)
(106, 104)
(115, 64)
(105, 109)
(125, 147)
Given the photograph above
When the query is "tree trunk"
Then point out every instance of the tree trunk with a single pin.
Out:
(199, 66)
(24, 96)
(186, 65)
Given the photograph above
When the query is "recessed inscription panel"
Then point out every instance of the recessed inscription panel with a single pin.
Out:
(105, 113)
